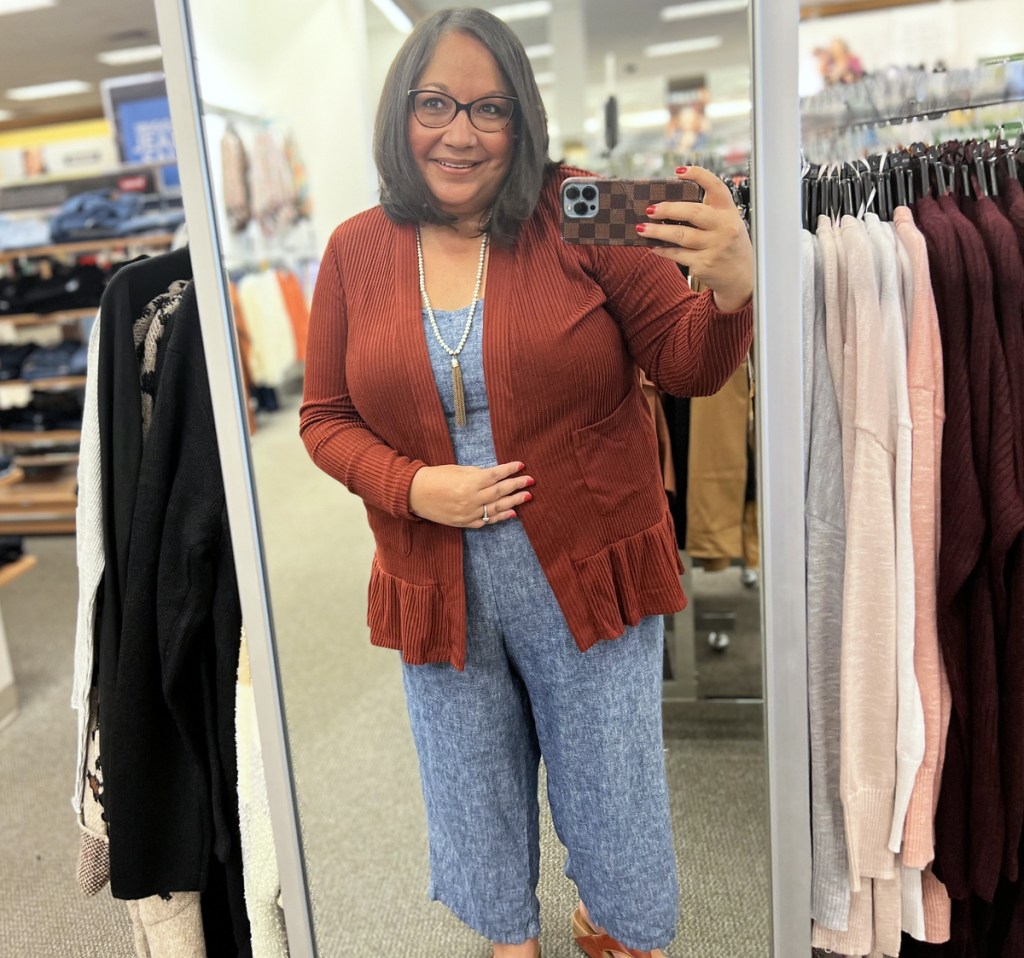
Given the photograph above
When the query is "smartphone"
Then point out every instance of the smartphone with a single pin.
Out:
(605, 212)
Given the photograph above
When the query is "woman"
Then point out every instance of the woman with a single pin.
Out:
(474, 380)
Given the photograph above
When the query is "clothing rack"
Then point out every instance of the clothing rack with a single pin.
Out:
(845, 121)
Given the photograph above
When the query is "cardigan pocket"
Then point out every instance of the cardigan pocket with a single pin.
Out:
(391, 534)
(614, 454)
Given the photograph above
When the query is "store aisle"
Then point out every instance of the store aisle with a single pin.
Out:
(42, 910)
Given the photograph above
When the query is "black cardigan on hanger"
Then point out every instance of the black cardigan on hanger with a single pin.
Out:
(170, 619)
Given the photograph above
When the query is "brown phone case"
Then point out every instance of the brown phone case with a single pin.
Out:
(621, 205)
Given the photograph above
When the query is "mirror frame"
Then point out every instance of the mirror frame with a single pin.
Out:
(775, 160)
(223, 364)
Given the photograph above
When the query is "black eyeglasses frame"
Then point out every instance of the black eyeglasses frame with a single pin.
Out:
(459, 107)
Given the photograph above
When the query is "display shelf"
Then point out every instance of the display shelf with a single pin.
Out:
(42, 504)
(26, 437)
(38, 460)
(59, 317)
(148, 241)
(13, 477)
(11, 571)
(54, 382)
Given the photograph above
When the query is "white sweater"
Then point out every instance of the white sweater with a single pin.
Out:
(89, 550)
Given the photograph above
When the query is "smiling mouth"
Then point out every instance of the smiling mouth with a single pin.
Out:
(455, 165)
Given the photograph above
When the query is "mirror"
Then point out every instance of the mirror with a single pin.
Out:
(630, 91)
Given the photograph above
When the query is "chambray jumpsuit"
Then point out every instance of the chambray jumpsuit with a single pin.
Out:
(528, 691)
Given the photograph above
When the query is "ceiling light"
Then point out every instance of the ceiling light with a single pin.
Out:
(719, 110)
(544, 79)
(522, 11)
(45, 91)
(702, 8)
(395, 15)
(539, 50)
(120, 58)
(6, 115)
(23, 6)
(682, 46)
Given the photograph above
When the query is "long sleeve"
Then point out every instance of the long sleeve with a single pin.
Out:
(826, 537)
(89, 552)
(869, 684)
(684, 343)
(336, 437)
(910, 714)
(927, 404)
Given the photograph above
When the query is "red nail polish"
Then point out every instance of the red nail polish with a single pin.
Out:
(511, 515)
(528, 497)
(681, 169)
(531, 481)
(651, 210)
(641, 227)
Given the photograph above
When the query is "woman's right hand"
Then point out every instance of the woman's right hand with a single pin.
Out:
(456, 495)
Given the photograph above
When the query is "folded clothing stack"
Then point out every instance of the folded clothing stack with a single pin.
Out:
(106, 214)
(45, 411)
(23, 233)
(30, 361)
(67, 287)
(11, 549)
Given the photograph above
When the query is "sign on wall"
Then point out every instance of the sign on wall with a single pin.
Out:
(140, 114)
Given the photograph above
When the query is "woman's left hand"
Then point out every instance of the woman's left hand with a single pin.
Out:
(714, 244)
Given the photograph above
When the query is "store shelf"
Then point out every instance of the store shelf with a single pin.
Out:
(41, 504)
(11, 571)
(39, 460)
(60, 317)
(55, 382)
(13, 477)
(19, 437)
(150, 241)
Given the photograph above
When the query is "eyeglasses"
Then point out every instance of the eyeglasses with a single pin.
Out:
(489, 114)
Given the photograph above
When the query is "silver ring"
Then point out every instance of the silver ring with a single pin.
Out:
(487, 518)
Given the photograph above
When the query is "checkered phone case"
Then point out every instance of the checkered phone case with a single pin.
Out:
(621, 204)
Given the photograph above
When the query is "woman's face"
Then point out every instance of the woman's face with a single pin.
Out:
(462, 167)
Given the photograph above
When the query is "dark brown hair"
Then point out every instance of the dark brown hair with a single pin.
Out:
(403, 193)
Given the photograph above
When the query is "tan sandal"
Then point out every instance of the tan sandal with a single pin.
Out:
(596, 944)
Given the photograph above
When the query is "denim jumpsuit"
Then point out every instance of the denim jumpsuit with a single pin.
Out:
(526, 692)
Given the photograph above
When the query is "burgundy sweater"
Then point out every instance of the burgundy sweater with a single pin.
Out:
(1008, 272)
(566, 327)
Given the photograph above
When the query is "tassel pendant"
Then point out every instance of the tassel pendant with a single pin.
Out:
(460, 393)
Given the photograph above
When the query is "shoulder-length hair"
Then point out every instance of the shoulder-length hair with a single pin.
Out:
(403, 193)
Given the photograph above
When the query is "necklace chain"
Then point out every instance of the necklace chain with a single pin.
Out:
(458, 389)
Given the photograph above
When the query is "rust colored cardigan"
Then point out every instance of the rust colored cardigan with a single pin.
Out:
(565, 328)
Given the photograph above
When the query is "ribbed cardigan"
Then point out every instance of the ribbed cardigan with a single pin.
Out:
(566, 328)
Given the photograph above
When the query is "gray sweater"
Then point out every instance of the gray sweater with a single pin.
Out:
(826, 546)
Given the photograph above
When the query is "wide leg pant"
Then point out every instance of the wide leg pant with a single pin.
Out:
(527, 692)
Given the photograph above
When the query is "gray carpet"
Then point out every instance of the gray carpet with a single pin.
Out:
(356, 769)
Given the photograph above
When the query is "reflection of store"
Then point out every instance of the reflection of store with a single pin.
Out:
(355, 768)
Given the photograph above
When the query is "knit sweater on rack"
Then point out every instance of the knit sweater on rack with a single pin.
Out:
(566, 328)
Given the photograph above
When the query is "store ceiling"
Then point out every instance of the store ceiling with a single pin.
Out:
(61, 43)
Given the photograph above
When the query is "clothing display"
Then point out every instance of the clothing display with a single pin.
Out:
(631, 308)
(914, 360)
(275, 316)
(159, 623)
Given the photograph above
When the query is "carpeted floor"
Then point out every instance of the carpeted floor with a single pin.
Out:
(355, 766)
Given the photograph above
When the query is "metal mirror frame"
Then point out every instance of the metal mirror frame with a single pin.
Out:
(779, 404)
